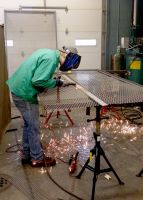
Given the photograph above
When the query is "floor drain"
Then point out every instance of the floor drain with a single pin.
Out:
(4, 181)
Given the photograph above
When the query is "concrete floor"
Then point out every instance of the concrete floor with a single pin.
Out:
(123, 148)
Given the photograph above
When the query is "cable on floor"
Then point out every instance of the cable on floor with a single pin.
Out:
(57, 184)
(132, 115)
(10, 149)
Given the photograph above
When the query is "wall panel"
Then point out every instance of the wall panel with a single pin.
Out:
(82, 21)
(4, 93)
(29, 31)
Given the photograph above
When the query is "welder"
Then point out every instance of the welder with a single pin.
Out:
(32, 77)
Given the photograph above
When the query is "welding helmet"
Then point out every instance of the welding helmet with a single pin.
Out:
(72, 59)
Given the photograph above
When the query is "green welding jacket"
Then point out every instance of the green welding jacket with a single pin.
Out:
(34, 73)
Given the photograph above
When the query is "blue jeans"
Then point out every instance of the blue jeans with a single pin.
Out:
(31, 135)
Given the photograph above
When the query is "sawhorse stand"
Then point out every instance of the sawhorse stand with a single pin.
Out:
(112, 109)
(58, 112)
(97, 151)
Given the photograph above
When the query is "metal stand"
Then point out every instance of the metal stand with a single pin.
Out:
(58, 112)
(106, 108)
(97, 151)
(140, 173)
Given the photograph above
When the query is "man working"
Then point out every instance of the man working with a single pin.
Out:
(31, 78)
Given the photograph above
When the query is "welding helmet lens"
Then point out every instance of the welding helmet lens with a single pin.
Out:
(72, 61)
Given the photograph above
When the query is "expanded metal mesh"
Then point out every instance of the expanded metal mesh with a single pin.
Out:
(107, 87)
(65, 98)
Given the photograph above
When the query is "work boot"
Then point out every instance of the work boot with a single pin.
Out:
(46, 162)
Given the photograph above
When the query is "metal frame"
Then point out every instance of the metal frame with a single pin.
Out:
(110, 89)
(89, 94)
(125, 88)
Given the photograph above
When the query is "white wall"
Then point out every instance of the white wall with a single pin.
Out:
(83, 21)
(28, 32)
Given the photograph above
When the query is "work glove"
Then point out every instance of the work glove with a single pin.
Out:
(40, 89)
(62, 83)
(59, 82)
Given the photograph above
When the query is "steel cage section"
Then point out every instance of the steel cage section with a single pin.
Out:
(62, 98)
(110, 89)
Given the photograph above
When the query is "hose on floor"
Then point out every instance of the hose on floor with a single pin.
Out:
(57, 184)
(132, 115)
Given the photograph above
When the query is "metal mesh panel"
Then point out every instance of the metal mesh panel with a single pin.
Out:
(65, 98)
(109, 88)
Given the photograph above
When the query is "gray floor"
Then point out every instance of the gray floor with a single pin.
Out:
(121, 141)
